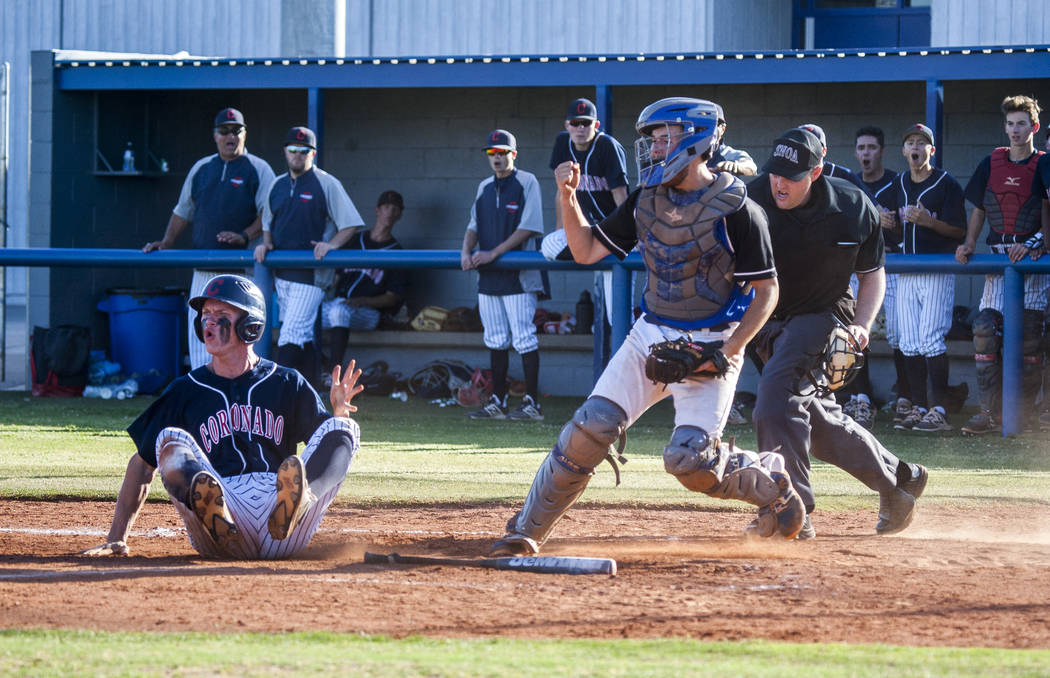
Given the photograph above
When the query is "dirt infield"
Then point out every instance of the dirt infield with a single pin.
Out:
(951, 579)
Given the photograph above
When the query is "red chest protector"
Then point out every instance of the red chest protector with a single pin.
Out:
(1008, 200)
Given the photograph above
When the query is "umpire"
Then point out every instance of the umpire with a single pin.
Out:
(823, 230)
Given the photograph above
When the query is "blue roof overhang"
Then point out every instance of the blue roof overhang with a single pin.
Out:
(150, 72)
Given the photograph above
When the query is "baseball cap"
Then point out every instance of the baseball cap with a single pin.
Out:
(501, 139)
(920, 129)
(391, 198)
(301, 136)
(229, 116)
(817, 131)
(582, 109)
(795, 154)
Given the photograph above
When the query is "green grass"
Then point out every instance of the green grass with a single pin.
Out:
(51, 653)
(417, 453)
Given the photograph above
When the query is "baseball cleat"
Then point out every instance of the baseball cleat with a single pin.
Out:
(916, 482)
(208, 504)
(529, 410)
(807, 531)
(981, 423)
(493, 409)
(896, 510)
(784, 517)
(934, 421)
(294, 498)
(514, 545)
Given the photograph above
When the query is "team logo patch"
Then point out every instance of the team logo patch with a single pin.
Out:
(1012, 181)
(786, 152)
(236, 181)
(512, 207)
(306, 197)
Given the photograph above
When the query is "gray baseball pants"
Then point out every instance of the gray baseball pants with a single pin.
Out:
(791, 420)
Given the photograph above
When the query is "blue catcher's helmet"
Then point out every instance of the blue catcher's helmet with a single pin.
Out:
(698, 119)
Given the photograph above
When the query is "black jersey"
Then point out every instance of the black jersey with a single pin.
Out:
(603, 167)
(244, 425)
(820, 244)
(939, 193)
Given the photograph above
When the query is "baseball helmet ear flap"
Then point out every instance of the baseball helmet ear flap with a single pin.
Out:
(239, 292)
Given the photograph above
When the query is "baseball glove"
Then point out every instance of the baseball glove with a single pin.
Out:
(672, 361)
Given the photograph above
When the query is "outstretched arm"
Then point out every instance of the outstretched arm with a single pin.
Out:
(133, 493)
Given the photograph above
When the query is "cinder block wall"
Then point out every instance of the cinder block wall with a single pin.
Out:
(426, 144)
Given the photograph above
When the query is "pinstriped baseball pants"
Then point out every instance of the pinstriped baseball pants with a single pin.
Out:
(251, 497)
(299, 303)
(924, 312)
(507, 320)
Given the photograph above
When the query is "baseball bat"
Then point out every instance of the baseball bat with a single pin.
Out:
(545, 564)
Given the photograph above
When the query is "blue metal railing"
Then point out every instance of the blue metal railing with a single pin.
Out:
(1013, 305)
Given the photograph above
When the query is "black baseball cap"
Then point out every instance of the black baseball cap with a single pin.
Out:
(229, 116)
(582, 109)
(817, 131)
(795, 153)
(301, 136)
(501, 139)
(391, 198)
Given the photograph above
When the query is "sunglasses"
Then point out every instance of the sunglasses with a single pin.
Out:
(581, 123)
(226, 131)
(301, 150)
(496, 151)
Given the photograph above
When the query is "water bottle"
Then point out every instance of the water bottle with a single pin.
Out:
(129, 159)
(584, 313)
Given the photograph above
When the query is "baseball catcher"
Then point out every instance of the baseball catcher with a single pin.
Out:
(224, 439)
(710, 284)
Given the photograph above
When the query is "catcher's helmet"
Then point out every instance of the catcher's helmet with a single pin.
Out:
(841, 361)
(697, 117)
(238, 291)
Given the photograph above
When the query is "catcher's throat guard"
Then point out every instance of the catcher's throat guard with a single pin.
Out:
(841, 361)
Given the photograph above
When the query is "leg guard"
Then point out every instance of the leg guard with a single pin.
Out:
(987, 341)
(582, 444)
(1032, 367)
(703, 465)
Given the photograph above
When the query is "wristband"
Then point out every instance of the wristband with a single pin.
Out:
(244, 234)
(1035, 241)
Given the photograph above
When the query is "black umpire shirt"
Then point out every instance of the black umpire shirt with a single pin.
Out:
(818, 245)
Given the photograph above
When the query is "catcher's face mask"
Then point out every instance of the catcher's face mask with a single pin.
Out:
(840, 363)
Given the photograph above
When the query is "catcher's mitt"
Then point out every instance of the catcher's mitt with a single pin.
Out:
(673, 361)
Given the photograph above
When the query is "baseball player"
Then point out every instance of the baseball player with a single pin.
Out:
(928, 203)
(507, 214)
(1003, 189)
(603, 186)
(306, 208)
(362, 295)
(729, 159)
(869, 147)
(704, 244)
(224, 438)
(223, 197)
(831, 170)
(823, 230)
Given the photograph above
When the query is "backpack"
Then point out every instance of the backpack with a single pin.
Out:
(59, 360)
(440, 379)
(378, 380)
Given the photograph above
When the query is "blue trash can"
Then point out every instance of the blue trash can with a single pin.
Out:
(145, 333)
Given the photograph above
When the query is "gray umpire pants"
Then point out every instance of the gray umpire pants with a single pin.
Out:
(797, 425)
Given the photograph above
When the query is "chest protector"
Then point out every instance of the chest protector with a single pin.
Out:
(1008, 201)
(690, 270)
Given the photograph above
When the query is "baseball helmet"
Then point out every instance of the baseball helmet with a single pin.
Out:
(840, 362)
(698, 118)
(240, 292)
